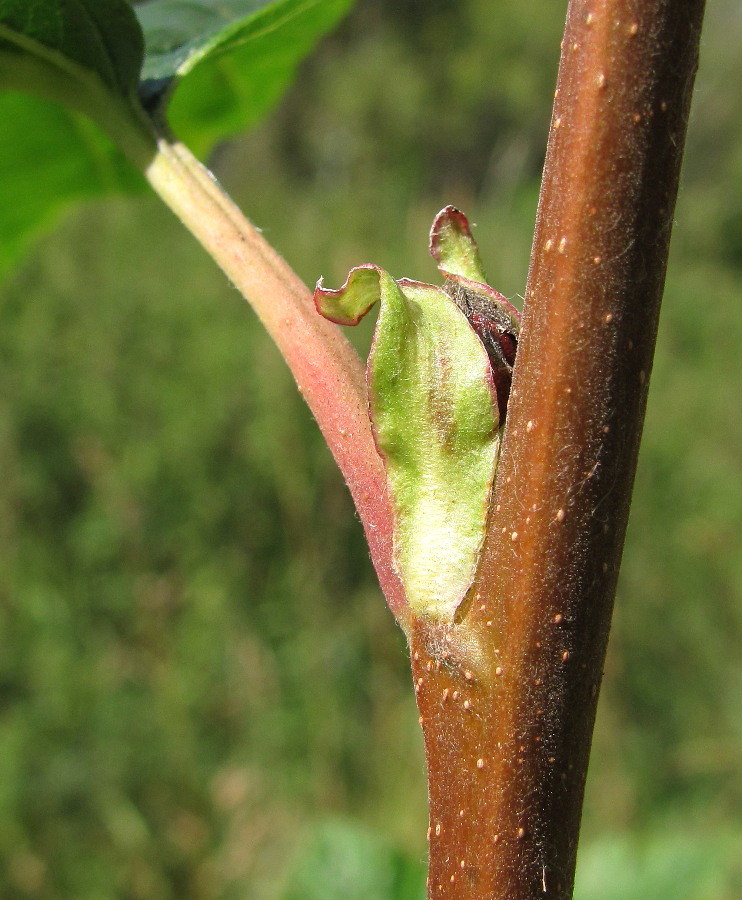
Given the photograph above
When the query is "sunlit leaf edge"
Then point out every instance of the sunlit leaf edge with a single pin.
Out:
(177, 63)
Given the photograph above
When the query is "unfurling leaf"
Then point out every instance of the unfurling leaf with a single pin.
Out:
(433, 398)
(495, 320)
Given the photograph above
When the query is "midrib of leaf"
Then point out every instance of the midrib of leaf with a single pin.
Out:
(53, 58)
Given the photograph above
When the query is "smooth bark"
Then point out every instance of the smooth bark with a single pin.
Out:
(507, 696)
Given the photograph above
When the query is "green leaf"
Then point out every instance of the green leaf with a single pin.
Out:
(85, 55)
(72, 161)
(228, 61)
(182, 33)
(73, 39)
(435, 416)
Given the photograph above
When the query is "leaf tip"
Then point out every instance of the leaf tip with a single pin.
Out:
(448, 220)
(349, 304)
(453, 247)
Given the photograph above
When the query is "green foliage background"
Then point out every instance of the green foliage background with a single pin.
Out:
(201, 692)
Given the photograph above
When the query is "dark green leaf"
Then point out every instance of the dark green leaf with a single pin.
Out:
(98, 36)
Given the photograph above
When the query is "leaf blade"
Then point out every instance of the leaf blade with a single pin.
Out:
(101, 37)
(225, 77)
(180, 34)
(236, 81)
(76, 159)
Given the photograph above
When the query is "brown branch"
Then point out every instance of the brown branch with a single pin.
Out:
(507, 697)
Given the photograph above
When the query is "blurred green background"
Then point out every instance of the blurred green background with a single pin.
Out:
(202, 694)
